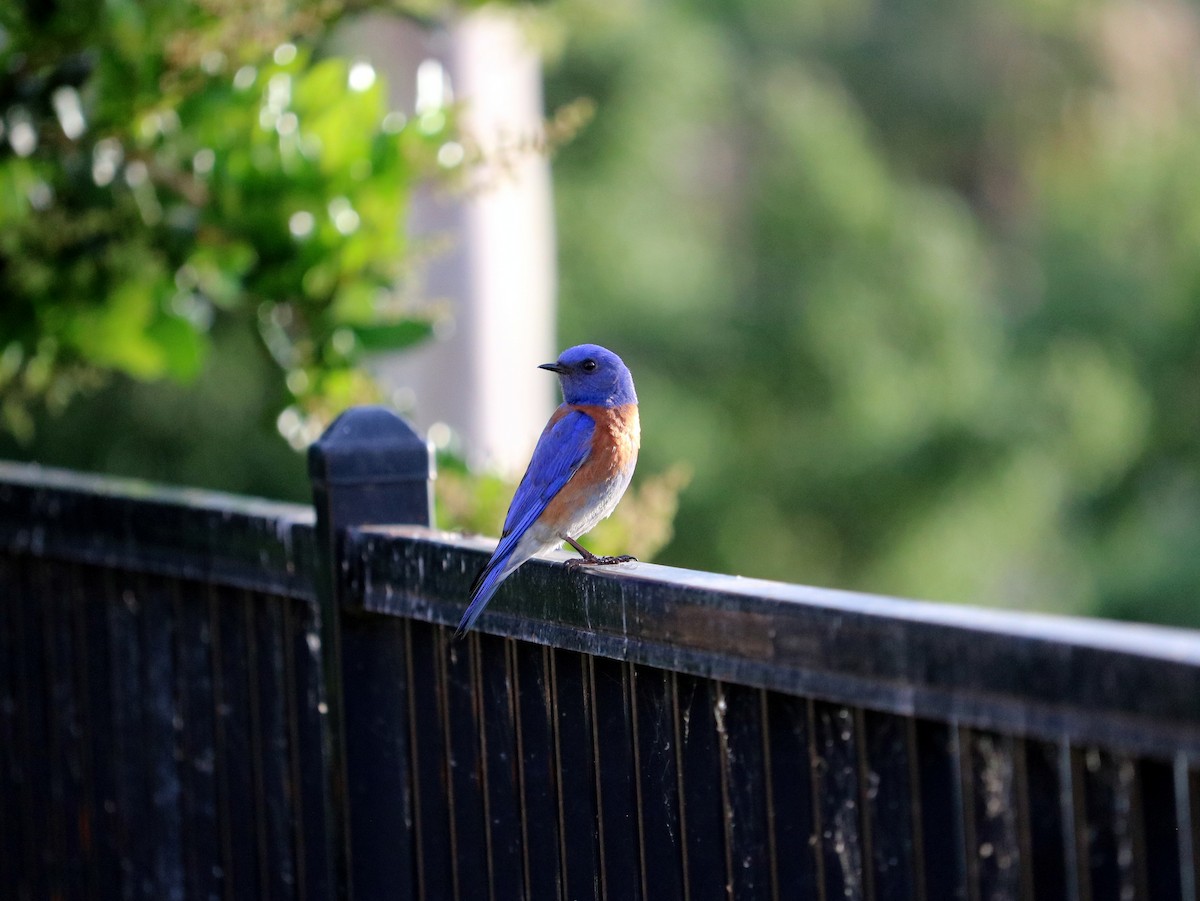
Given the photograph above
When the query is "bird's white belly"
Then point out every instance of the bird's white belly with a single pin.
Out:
(542, 536)
(600, 503)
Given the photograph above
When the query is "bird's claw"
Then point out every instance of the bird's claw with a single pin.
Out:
(593, 560)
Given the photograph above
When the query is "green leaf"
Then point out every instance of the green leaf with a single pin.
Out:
(355, 303)
(392, 336)
(114, 334)
(218, 269)
(183, 348)
(344, 121)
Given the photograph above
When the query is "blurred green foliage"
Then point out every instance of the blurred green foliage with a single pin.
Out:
(912, 286)
(172, 165)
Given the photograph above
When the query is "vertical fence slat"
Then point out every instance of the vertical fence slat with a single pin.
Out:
(42, 589)
(431, 803)
(793, 802)
(277, 789)
(942, 811)
(657, 740)
(235, 768)
(245, 624)
(1109, 818)
(164, 829)
(1071, 801)
(465, 768)
(539, 786)
(1194, 794)
(95, 598)
(10, 802)
(10, 820)
(1047, 836)
(377, 755)
(576, 777)
(837, 755)
(497, 685)
(740, 713)
(65, 752)
(11, 812)
(889, 745)
(76, 619)
(21, 834)
(701, 798)
(1159, 827)
(197, 751)
(315, 873)
(132, 801)
(612, 739)
(996, 848)
(33, 773)
(1187, 804)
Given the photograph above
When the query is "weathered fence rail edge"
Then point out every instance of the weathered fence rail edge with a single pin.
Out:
(1122, 684)
(182, 533)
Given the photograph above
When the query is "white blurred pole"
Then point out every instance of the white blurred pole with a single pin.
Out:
(497, 268)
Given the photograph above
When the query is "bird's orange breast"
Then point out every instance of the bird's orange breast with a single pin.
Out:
(600, 481)
(616, 440)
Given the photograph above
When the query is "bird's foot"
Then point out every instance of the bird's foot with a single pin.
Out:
(593, 560)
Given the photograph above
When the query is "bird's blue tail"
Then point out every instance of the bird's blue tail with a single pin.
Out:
(509, 554)
(482, 589)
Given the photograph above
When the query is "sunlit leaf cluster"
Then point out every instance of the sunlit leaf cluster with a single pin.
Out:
(165, 165)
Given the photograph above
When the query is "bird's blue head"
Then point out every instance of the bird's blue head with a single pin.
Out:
(590, 374)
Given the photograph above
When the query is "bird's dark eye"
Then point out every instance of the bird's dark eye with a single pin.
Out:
(588, 365)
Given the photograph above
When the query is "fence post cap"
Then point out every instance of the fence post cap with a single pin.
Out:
(369, 444)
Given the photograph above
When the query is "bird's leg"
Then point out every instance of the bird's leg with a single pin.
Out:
(590, 559)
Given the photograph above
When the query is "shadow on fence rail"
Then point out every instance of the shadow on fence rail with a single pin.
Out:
(204, 696)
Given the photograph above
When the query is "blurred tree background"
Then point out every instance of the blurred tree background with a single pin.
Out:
(911, 287)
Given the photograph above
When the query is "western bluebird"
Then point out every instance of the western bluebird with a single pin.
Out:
(580, 468)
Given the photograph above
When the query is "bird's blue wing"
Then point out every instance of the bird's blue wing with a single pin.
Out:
(560, 451)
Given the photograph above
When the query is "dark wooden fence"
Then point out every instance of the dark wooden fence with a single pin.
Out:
(209, 697)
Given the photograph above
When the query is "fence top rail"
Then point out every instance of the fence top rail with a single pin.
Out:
(1054, 677)
(177, 532)
(1059, 678)
(51, 479)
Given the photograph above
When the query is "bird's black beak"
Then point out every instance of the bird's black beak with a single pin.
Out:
(554, 367)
